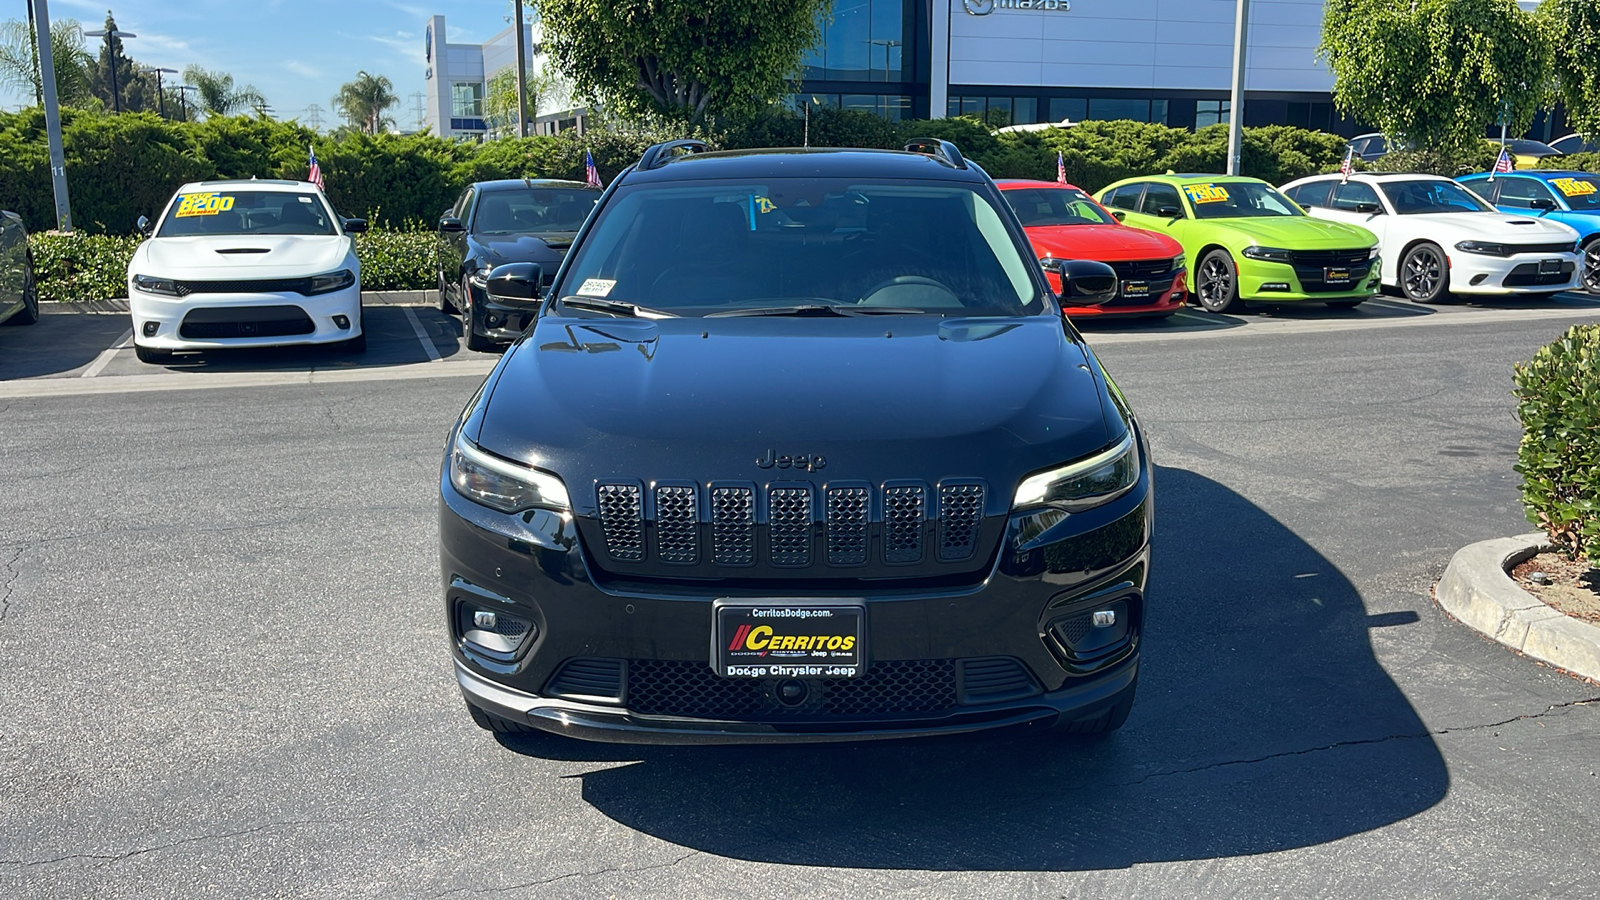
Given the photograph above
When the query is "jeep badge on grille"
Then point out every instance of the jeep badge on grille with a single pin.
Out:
(798, 461)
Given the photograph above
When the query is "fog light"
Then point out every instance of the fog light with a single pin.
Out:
(150, 328)
(1275, 286)
(1479, 279)
(485, 619)
(493, 321)
(1103, 618)
(341, 322)
(494, 634)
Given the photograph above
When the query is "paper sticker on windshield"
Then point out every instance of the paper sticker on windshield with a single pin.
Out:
(202, 205)
(597, 287)
(1205, 193)
(1573, 187)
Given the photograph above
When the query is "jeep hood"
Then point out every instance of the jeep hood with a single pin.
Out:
(878, 398)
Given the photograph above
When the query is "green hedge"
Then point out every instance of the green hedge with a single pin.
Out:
(1558, 401)
(89, 267)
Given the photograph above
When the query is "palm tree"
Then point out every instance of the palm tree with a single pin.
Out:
(364, 102)
(217, 95)
(19, 60)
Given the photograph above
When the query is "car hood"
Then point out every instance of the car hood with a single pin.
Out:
(495, 249)
(1101, 242)
(1290, 232)
(243, 256)
(1494, 226)
(878, 398)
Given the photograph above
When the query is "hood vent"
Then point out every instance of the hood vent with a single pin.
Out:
(1521, 222)
(246, 250)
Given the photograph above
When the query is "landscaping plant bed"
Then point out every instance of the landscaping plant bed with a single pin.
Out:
(1573, 587)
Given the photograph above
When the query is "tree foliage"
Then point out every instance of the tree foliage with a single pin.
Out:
(135, 90)
(541, 88)
(365, 102)
(217, 95)
(1573, 28)
(1435, 73)
(19, 61)
(685, 59)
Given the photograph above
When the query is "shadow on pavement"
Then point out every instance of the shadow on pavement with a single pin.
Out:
(56, 344)
(1264, 723)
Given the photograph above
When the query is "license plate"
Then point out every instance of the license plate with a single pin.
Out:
(1332, 275)
(1549, 267)
(1136, 289)
(786, 640)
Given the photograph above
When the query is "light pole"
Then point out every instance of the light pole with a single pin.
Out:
(888, 46)
(1241, 27)
(161, 94)
(52, 115)
(111, 57)
(522, 78)
(183, 98)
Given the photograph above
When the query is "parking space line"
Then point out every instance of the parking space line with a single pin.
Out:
(105, 357)
(422, 335)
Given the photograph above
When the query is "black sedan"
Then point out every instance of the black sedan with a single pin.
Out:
(19, 295)
(498, 222)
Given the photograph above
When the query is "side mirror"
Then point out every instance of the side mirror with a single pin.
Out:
(143, 225)
(516, 281)
(1368, 208)
(1169, 212)
(355, 226)
(1084, 282)
(1118, 214)
(1544, 203)
(451, 225)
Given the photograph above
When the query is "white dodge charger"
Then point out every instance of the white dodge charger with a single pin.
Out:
(1440, 238)
(245, 264)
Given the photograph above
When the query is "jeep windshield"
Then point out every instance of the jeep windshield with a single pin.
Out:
(716, 247)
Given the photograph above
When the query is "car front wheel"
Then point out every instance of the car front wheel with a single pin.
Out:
(1216, 284)
(1591, 266)
(476, 341)
(29, 313)
(1424, 274)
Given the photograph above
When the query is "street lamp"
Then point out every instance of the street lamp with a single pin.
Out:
(888, 46)
(183, 98)
(116, 104)
(161, 94)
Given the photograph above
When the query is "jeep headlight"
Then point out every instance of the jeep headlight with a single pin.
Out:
(501, 484)
(1086, 483)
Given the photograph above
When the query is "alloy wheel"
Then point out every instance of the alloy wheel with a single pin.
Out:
(1215, 284)
(1591, 267)
(1424, 274)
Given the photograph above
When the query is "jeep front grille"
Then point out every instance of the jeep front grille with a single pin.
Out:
(789, 526)
(622, 520)
(902, 523)
(960, 511)
(847, 525)
(678, 524)
(733, 526)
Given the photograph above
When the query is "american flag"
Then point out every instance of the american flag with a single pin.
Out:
(1503, 164)
(1061, 168)
(315, 175)
(590, 173)
(1348, 166)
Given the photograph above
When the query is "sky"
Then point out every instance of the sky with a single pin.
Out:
(297, 52)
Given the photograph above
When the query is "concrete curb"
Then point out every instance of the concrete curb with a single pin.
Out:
(120, 304)
(1477, 590)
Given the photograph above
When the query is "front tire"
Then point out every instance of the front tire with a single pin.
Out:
(476, 342)
(153, 357)
(445, 306)
(490, 722)
(1424, 274)
(29, 313)
(1591, 266)
(1216, 284)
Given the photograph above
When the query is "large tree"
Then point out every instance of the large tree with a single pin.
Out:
(19, 60)
(135, 89)
(365, 102)
(681, 58)
(217, 95)
(1573, 27)
(1435, 74)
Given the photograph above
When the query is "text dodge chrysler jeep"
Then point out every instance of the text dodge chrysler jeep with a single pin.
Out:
(800, 448)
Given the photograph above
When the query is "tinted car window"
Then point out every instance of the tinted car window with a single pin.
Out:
(1418, 197)
(1313, 193)
(532, 210)
(1521, 192)
(1159, 196)
(1238, 199)
(1580, 191)
(716, 246)
(1125, 197)
(228, 211)
(1055, 206)
(1352, 194)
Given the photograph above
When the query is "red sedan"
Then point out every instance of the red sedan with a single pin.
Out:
(1065, 223)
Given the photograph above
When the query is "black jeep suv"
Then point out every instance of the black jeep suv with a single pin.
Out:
(799, 448)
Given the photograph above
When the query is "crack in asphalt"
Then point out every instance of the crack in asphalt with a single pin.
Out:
(107, 859)
(5, 596)
(554, 878)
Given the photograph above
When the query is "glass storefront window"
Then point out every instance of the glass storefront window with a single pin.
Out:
(1103, 109)
(1068, 108)
(1158, 112)
(1025, 111)
(863, 41)
(1211, 112)
(466, 99)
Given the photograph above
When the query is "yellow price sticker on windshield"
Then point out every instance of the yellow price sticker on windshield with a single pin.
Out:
(203, 205)
(1205, 193)
(1573, 187)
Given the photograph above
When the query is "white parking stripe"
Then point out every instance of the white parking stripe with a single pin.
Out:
(422, 335)
(104, 359)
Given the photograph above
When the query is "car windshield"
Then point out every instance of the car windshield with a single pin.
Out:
(1411, 198)
(533, 210)
(828, 245)
(1055, 206)
(226, 211)
(1530, 148)
(1580, 191)
(1238, 199)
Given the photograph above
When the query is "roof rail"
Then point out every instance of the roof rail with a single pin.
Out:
(941, 150)
(658, 155)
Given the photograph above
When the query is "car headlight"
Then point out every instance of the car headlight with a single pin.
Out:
(1484, 247)
(479, 279)
(1177, 262)
(1083, 484)
(333, 281)
(502, 484)
(1373, 253)
(1269, 254)
(156, 285)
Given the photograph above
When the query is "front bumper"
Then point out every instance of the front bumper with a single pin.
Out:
(1164, 301)
(1049, 570)
(159, 320)
(1272, 282)
(1477, 273)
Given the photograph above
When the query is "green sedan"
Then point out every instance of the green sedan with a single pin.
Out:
(1244, 241)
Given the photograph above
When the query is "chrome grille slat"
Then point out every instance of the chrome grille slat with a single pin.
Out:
(678, 524)
(847, 513)
(960, 513)
(904, 507)
(789, 526)
(622, 521)
(733, 526)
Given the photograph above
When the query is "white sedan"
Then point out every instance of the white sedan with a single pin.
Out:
(1440, 238)
(245, 264)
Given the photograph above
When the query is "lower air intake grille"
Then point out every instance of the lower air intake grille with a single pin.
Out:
(246, 322)
(589, 679)
(622, 521)
(994, 680)
(733, 526)
(847, 526)
(677, 524)
(960, 512)
(903, 507)
(890, 688)
(789, 528)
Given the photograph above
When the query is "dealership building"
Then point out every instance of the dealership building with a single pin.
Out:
(1167, 61)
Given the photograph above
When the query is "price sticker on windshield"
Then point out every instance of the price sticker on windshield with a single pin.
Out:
(202, 205)
(1205, 193)
(1574, 187)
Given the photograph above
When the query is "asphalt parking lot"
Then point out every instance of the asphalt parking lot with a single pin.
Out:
(228, 673)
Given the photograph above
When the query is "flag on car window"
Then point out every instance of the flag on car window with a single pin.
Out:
(315, 175)
(1348, 166)
(590, 173)
(1061, 168)
(1503, 164)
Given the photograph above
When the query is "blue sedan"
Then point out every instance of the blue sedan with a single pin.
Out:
(1571, 198)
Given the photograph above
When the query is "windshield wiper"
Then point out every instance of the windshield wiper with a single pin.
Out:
(816, 309)
(615, 307)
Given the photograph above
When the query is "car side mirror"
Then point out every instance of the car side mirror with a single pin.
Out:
(1169, 212)
(355, 226)
(1084, 282)
(1118, 214)
(143, 225)
(451, 225)
(1368, 208)
(1544, 203)
(516, 281)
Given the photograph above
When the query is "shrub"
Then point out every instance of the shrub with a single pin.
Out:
(81, 267)
(1558, 402)
(398, 260)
